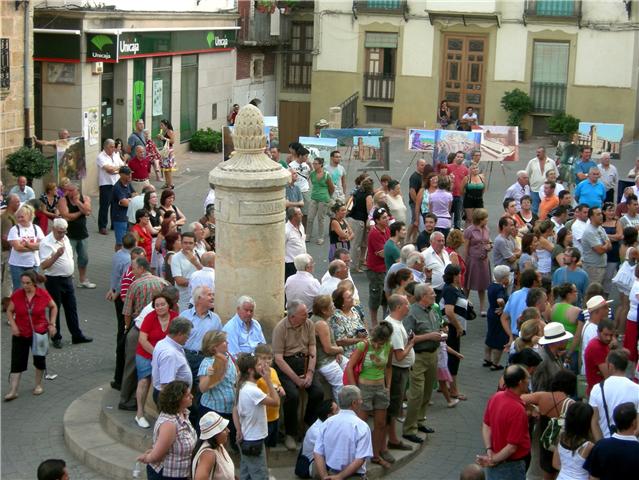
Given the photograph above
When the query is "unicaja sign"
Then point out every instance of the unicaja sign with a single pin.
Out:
(132, 48)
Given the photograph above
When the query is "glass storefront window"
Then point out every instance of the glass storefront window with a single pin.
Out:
(188, 97)
(161, 94)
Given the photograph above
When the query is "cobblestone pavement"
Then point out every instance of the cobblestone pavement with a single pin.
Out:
(32, 426)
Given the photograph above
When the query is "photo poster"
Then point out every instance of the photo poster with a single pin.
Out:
(499, 143)
(272, 132)
(319, 147)
(601, 137)
(373, 152)
(451, 141)
(71, 159)
(93, 125)
(420, 140)
(345, 136)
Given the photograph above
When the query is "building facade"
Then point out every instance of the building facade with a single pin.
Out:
(98, 70)
(404, 57)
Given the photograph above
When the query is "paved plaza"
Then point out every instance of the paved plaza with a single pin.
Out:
(32, 426)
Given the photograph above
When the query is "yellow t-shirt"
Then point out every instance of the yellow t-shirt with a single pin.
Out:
(272, 413)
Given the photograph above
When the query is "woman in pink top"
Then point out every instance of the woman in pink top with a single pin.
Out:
(440, 203)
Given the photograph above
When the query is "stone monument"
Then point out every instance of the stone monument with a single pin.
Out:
(250, 217)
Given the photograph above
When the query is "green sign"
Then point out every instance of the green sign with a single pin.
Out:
(144, 44)
(102, 47)
(55, 47)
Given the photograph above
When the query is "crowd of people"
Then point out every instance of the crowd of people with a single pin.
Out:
(544, 284)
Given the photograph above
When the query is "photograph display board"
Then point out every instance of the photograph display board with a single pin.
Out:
(499, 143)
(601, 137)
(345, 136)
(71, 158)
(451, 141)
(420, 140)
(319, 147)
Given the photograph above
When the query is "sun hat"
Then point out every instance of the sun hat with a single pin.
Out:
(211, 424)
(322, 123)
(554, 332)
(596, 303)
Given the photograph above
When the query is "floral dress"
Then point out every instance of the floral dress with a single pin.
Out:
(345, 327)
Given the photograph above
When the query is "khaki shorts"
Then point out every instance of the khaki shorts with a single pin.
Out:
(374, 397)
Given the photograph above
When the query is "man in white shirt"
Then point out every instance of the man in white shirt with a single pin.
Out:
(536, 170)
(183, 265)
(435, 260)
(631, 217)
(109, 163)
(204, 277)
(579, 225)
(302, 286)
(344, 443)
(305, 465)
(22, 190)
(57, 262)
(294, 240)
(169, 362)
(632, 174)
(137, 203)
(519, 188)
(469, 119)
(337, 271)
(609, 176)
(617, 389)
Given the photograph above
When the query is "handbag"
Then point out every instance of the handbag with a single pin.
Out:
(164, 153)
(550, 435)
(357, 369)
(251, 448)
(40, 341)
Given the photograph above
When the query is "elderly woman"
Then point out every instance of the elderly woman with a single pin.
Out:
(24, 238)
(167, 200)
(496, 336)
(330, 363)
(346, 322)
(153, 329)
(211, 461)
(478, 245)
(27, 316)
(173, 436)
(218, 377)
(395, 201)
(321, 190)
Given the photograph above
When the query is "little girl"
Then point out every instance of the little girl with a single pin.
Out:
(443, 374)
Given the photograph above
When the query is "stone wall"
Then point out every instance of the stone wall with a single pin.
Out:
(12, 99)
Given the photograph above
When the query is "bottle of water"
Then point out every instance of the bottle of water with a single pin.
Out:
(136, 470)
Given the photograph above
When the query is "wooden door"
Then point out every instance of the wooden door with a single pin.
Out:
(463, 73)
(294, 122)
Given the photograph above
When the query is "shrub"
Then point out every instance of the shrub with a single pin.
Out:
(517, 103)
(206, 141)
(28, 162)
(563, 124)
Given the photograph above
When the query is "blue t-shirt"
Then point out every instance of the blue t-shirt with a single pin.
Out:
(120, 192)
(515, 305)
(591, 195)
(583, 167)
(577, 277)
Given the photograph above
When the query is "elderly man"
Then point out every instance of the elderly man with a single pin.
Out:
(583, 166)
(550, 200)
(302, 286)
(591, 190)
(137, 203)
(140, 166)
(141, 290)
(204, 277)
(415, 263)
(435, 261)
(344, 442)
(243, 332)
(609, 176)
(337, 271)
(536, 170)
(595, 244)
(295, 358)
(183, 265)
(7, 220)
(404, 253)
(204, 320)
(201, 245)
(108, 166)
(295, 240)
(22, 190)
(424, 320)
(553, 345)
(519, 188)
(120, 198)
(345, 256)
(169, 362)
(56, 258)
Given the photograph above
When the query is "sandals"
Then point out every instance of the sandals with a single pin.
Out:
(487, 363)
(453, 403)
(10, 396)
(38, 390)
(381, 461)
(460, 396)
(399, 446)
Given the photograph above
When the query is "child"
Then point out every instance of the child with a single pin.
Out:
(443, 374)
(264, 354)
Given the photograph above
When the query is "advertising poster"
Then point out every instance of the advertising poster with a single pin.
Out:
(93, 126)
(499, 143)
(71, 159)
(420, 140)
(157, 98)
(601, 137)
(272, 132)
(345, 136)
(451, 141)
(319, 147)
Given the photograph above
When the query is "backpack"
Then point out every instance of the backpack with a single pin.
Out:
(550, 436)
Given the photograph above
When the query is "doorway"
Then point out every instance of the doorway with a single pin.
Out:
(106, 104)
(463, 73)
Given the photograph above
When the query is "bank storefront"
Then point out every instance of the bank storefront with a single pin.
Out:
(97, 82)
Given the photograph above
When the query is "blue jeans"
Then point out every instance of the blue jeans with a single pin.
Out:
(253, 468)
(105, 204)
(16, 272)
(535, 201)
(153, 475)
(120, 230)
(81, 249)
(515, 470)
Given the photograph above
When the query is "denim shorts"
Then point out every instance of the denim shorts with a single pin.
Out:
(142, 366)
(81, 248)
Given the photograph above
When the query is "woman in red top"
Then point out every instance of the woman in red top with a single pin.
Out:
(27, 312)
(142, 231)
(376, 272)
(153, 329)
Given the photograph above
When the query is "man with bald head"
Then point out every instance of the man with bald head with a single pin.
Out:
(609, 176)
(108, 167)
(205, 276)
(140, 166)
(337, 271)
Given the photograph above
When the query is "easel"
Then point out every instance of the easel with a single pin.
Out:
(490, 172)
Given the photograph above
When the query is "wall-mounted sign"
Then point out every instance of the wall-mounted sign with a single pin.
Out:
(102, 47)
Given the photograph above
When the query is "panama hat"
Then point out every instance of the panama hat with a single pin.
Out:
(211, 424)
(554, 332)
(596, 303)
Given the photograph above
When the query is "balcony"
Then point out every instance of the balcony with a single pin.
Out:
(387, 7)
(553, 11)
(548, 97)
(256, 29)
(379, 87)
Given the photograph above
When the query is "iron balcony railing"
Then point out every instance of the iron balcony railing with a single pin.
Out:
(379, 87)
(349, 111)
(548, 97)
(568, 9)
(381, 6)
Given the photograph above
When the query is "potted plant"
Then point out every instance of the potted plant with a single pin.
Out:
(561, 127)
(28, 162)
(266, 6)
(518, 104)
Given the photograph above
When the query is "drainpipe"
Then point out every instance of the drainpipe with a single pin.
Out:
(27, 74)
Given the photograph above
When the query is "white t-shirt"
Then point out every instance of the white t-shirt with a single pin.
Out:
(578, 228)
(303, 172)
(618, 390)
(182, 267)
(399, 339)
(105, 178)
(588, 333)
(634, 303)
(310, 438)
(32, 234)
(252, 413)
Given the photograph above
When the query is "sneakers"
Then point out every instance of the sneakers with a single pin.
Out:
(290, 443)
(453, 403)
(142, 423)
(86, 284)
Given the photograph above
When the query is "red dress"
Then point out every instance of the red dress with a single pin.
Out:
(462, 264)
(145, 240)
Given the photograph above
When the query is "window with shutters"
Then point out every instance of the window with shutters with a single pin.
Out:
(549, 76)
(298, 61)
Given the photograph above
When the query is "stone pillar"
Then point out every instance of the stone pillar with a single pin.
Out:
(250, 218)
(335, 117)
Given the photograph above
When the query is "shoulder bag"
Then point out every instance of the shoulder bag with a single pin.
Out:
(357, 369)
(550, 435)
(611, 428)
(40, 341)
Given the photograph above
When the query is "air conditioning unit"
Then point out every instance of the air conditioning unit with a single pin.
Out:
(97, 68)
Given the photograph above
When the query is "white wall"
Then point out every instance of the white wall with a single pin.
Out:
(604, 11)
(150, 5)
(477, 6)
(605, 58)
(510, 53)
(417, 48)
(338, 41)
(245, 90)
(216, 75)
